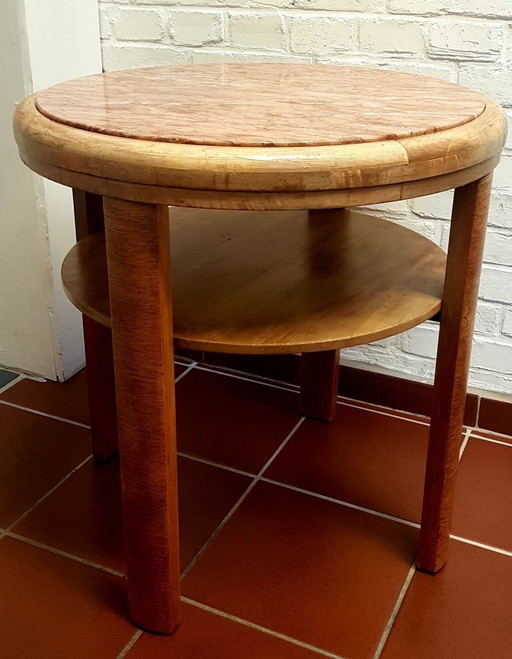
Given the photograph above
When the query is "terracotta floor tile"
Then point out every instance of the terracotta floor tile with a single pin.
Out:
(179, 369)
(232, 421)
(384, 410)
(207, 494)
(51, 607)
(482, 502)
(313, 570)
(463, 612)
(495, 415)
(369, 459)
(507, 439)
(66, 400)
(204, 635)
(83, 516)
(35, 454)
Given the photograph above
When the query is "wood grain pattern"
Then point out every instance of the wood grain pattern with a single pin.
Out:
(252, 201)
(255, 138)
(140, 291)
(261, 104)
(319, 375)
(163, 171)
(101, 389)
(467, 236)
(89, 219)
(274, 282)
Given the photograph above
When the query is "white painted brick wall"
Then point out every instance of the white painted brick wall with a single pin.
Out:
(139, 25)
(311, 35)
(256, 31)
(391, 36)
(466, 41)
(196, 28)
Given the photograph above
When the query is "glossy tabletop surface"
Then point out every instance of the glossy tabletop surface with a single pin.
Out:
(261, 104)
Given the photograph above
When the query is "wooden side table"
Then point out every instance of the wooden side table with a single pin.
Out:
(307, 141)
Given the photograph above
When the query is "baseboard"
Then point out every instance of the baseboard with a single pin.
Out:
(484, 412)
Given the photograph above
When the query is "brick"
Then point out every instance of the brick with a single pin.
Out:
(490, 381)
(264, 31)
(395, 209)
(496, 284)
(488, 317)
(498, 247)
(203, 56)
(346, 5)
(121, 56)
(489, 8)
(391, 36)
(431, 229)
(500, 212)
(508, 145)
(507, 323)
(422, 340)
(196, 28)
(446, 71)
(193, 3)
(502, 178)
(465, 41)
(392, 360)
(493, 80)
(321, 35)
(434, 206)
(492, 355)
(139, 25)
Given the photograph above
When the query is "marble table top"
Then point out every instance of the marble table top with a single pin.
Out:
(260, 104)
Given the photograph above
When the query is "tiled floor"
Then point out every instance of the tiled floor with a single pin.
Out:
(298, 537)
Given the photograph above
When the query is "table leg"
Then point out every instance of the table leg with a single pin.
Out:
(319, 373)
(101, 389)
(140, 291)
(98, 345)
(467, 236)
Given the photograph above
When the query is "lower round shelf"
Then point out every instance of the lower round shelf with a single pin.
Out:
(276, 282)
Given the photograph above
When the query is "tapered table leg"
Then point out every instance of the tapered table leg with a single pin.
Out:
(98, 345)
(467, 235)
(319, 372)
(140, 293)
(101, 389)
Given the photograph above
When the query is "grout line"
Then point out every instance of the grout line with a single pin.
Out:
(341, 399)
(263, 381)
(464, 443)
(241, 499)
(467, 541)
(187, 370)
(60, 418)
(493, 441)
(340, 502)
(64, 554)
(394, 416)
(49, 416)
(478, 402)
(11, 383)
(45, 496)
(276, 384)
(215, 464)
(265, 630)
(130, 644)
(396, 609)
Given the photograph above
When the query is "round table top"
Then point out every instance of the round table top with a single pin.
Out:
(254, 105)
(260, 136)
